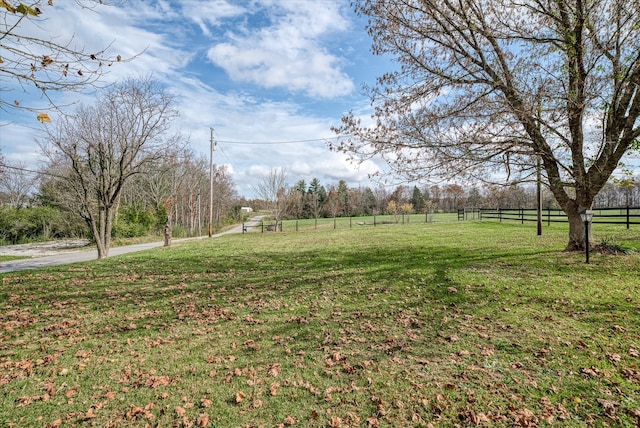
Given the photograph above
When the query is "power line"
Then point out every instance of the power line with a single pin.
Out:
(31, 171)
(315, 140)
(226, 157)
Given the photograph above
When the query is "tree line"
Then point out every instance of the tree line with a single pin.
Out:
(314, 200)
(114, 168)
(175, 189)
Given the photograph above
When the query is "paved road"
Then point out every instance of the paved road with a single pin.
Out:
(86, 255)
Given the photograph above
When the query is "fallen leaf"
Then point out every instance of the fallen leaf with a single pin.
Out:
(203, 420)
(335, 422)
(180, 411)
(372, 422)
(524, 418)
(54, 424)
(274, 370)
(289, 420)
(240, 396)
(614, 358)
(609, 407)
(83, 353)
(206, 402)
(274, 388)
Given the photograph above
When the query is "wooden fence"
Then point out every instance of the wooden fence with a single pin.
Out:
(620, 216)
(623, 216)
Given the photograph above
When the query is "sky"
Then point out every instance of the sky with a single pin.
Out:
(270, 77)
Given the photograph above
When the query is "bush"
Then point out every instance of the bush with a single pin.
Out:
(132, 222)
(20, 225)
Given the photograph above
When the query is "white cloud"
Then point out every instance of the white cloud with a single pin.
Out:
(288, 53)
(212, 13)
(290, 48)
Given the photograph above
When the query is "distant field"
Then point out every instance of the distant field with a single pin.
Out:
(365, 221)
(439, 324)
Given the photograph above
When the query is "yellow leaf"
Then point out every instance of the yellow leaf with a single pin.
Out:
(44, 118)
(8, 6)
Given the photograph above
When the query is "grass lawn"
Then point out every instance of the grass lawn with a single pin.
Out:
(9, 258)
(440, 324)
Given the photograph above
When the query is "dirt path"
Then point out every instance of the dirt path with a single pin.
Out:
(56, 253)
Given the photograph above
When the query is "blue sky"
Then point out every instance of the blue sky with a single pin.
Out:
(255, 71)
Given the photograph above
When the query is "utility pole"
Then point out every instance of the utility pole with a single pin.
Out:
(539, 195)
(212, 146)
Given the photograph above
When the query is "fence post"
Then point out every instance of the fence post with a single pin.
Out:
(628, 217)
(500, 214)
(549, 216)
(350, 222)
(374, 219)
(521, 215)
(296, 225)
(262, 227)
(334, 222)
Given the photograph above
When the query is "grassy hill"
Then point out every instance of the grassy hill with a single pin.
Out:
(399, 325)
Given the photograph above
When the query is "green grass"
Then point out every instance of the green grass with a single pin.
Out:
(364, 221)
(399, 325)
(9, 258)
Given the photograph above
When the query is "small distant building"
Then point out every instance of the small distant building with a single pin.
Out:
(246, 209)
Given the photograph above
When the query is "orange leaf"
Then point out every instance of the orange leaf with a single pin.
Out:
(240, 396)
(44, 118)
(180, 411)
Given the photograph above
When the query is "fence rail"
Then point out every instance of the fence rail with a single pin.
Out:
(626, 215)
(294, 225)
(619, 216)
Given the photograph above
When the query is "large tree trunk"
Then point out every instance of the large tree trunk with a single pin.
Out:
(96, 232)
(576, 230)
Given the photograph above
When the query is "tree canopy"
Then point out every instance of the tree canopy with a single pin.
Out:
(484, 86)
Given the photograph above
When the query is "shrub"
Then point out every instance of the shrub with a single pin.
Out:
(132, 222)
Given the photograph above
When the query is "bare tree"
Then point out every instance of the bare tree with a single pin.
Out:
(45, 63)
(486, 85)
(16, 183)
(103, 146)
(272, 189)
(224, 192)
